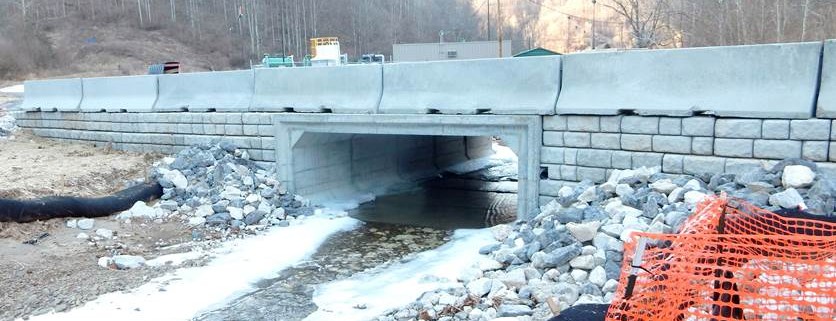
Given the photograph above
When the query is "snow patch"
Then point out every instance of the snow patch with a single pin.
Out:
(190, 291)
(141, 210)
(348, 203)
(13, 90)
(177, 258)
(502, 155)
(399, 284)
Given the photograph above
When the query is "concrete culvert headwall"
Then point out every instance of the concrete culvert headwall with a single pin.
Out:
(333, 159)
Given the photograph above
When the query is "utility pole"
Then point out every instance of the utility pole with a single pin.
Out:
(489, 20)
(499, 24)
(593, 24)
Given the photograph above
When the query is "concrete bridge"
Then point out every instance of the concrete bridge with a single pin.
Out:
(339, 131)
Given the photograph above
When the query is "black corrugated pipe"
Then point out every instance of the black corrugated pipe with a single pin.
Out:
(23, 211)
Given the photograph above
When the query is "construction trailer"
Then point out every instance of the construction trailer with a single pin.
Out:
(407, 52)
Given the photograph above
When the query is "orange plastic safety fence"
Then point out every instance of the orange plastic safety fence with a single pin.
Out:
(730, 261)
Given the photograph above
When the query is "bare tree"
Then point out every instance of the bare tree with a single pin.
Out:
(646, 19)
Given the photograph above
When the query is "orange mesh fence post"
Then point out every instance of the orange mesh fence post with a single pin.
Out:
(730, 261)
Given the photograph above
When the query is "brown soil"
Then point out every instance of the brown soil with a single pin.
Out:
(33, 167)
(60, 271)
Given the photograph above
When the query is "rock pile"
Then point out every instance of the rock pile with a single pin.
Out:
(217, 186)
(7, 125)
(571, 252)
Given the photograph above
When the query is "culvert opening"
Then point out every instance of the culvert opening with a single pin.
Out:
(419, 180)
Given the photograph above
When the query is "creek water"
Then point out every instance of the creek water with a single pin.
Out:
(395, 227)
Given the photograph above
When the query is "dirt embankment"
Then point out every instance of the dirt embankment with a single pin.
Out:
(91, 50)
(34, 167)
(60, 271)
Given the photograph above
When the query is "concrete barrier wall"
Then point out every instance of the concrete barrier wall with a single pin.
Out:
(345, 89)
(498, 86)
(119, 94)
(827, 90)
(52, 95)
(762, 81)
(206, 91)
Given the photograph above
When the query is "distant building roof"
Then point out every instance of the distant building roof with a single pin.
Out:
(539, 51)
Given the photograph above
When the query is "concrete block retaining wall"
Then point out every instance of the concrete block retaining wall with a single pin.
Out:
(578, 147)
(158, 132)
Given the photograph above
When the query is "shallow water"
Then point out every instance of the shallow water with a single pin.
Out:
(396, 227)
(288, 296)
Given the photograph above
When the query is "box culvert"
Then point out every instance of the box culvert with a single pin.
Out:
(332, 159)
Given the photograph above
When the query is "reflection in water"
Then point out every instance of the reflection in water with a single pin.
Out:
(444, 203)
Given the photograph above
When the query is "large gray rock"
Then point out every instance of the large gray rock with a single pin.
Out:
(557, 257)
(583, 231)
(568, 215)
(598, 276)
(514, 310)
(514, 278)
(796, 176)
(479, 287)
(586, 262)
(254, 217)
(605, 242)
(821, 196)
(786, 199)
(218, 219)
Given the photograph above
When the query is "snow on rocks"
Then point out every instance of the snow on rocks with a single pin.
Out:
(105, 233)
(141, 210)
(8, 125)
(572, 252)
(122, 262)
(86, 223)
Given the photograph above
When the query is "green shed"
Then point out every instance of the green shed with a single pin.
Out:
(539, 51)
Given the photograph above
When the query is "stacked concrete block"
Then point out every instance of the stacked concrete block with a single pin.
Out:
(589, 147)
(158, 132)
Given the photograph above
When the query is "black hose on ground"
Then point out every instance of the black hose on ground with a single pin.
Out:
(23, 211)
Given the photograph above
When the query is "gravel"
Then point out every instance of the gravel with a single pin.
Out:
(571, 253)
(215, 187)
